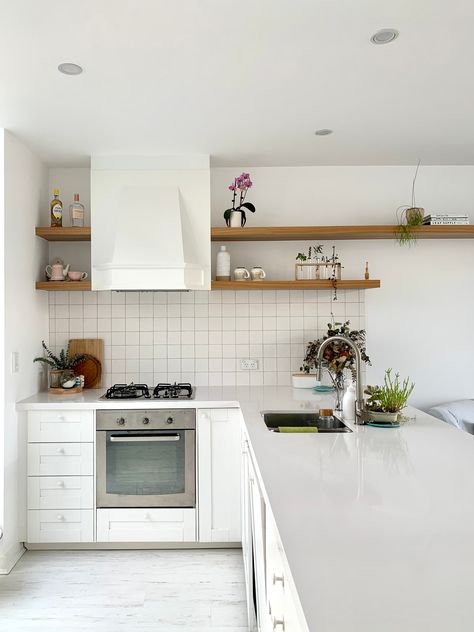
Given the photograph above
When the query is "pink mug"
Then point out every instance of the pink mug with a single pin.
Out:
(77, 276)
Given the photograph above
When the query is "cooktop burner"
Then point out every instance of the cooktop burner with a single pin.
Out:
(183, 390)
(128, 391)
(142, 391)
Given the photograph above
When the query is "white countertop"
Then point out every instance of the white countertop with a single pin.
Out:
(377, 524)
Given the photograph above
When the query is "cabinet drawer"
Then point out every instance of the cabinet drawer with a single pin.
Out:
(60, 526)
(60, 426)
(60, 459)
(67, 492)
(146, 525)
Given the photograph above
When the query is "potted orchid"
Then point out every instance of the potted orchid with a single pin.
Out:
(235, 216)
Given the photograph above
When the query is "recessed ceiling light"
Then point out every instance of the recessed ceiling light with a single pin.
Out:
(69, 68)
(384, 36)
(323, 132)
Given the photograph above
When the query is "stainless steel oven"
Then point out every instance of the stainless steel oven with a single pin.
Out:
(146, 458)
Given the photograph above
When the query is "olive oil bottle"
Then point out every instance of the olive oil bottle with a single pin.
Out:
(56, 207)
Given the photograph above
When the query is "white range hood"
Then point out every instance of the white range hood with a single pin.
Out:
(150, 223)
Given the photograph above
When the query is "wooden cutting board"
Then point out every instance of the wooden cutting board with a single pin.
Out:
(90, 346)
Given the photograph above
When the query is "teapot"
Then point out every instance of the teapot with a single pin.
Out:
(57, 271)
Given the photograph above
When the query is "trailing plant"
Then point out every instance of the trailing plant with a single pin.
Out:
(408, 217)
(62, 361)
(392, 396)
(338, 355)
(240, 187)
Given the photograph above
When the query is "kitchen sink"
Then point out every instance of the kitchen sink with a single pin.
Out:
(289, 419)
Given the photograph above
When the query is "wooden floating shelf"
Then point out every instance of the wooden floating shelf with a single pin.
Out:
(64, 286)
(300, 233)
(344, 284)
(64, 233)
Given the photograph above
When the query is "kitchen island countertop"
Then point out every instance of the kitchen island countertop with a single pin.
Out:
(376, 524)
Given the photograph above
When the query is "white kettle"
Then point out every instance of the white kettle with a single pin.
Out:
(57, 271)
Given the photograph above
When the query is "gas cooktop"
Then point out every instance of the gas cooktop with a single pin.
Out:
(181, 390)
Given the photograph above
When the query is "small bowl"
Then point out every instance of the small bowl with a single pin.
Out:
(77, 276)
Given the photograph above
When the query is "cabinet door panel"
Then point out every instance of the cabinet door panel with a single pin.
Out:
(47, 526)
(146, 525)
(62, 426)
(219, 471)
(60, 459)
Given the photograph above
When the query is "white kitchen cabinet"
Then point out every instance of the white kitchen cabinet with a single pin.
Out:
(60, 492)
(51, 426)
(60, 483)
(219, 468)
(146, 525)
(64, 525)
(60, 459)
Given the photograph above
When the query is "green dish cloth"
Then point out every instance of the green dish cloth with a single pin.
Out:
(297, 429)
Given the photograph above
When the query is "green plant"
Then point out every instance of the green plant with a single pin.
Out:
(337, 355)
(392, 396)
(62, 361)
(313, 252)
(408, 217)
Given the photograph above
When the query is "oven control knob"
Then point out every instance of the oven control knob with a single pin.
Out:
(121, 421)
(146, 420)
(169, 420)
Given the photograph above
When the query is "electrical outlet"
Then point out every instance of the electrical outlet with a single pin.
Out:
(15, 361)
(249, 365)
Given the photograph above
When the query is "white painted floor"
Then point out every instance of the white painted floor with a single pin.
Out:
(133, 591)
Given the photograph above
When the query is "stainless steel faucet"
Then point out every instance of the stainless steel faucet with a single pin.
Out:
(359, 402)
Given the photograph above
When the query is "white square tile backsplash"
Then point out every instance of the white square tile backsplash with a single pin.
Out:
(201, 337)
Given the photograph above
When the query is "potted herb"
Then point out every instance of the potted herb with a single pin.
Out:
(308, 266)
(235, 216)
(338, 357)
(385, 402)
(61, 367)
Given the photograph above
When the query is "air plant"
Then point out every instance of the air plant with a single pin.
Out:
(60, 362)
(240, 188)
(409, 216)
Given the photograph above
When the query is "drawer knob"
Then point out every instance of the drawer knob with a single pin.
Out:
(60, 517)
(61, 418)
(279, 578)
(279, 623)
(147, 516)
(60, 451)
(60, 483)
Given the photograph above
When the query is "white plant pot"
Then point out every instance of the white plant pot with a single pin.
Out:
(235, 219)
(304, 380)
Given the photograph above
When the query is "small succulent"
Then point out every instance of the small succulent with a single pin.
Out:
(62, 361)
(392, 396)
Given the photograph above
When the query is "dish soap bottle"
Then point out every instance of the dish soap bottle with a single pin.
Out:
(348, 403)
(223, 265)
(56, 207)
(76, 211)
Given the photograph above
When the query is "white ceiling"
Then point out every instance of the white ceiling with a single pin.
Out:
(246, 81)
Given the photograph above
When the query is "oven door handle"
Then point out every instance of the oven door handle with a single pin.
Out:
(143, 438)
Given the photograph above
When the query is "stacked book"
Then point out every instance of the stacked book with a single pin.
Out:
(445, 219)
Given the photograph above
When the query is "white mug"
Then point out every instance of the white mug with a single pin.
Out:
(257, 273)
(241, 274)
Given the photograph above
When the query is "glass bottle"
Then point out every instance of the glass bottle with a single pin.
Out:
(56, 208)
(76, 212)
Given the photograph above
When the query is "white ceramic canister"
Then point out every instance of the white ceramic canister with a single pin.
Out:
(223, 265)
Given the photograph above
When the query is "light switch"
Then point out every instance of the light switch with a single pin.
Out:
(15, 361)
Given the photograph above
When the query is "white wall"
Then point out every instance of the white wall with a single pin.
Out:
(419, 321)
(26, 314)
